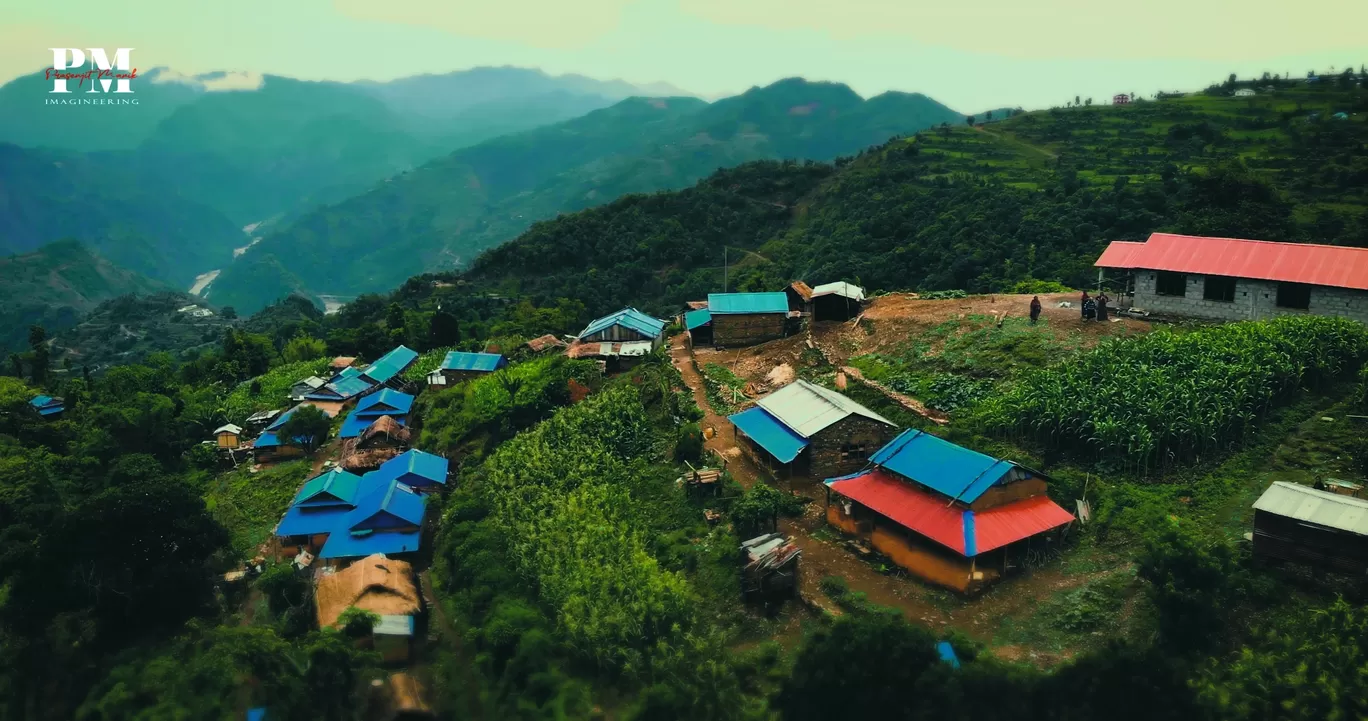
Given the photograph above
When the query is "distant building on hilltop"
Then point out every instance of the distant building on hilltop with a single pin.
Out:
(1234, 279)
(1121, 99)
(1245, 93)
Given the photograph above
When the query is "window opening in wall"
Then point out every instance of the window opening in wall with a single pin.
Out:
(1166, 283)
(1219, 288)
(1294, 295)
(854, 452)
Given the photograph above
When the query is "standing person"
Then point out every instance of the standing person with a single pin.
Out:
(1035, 309)
(1083, 305)
(1102, 301)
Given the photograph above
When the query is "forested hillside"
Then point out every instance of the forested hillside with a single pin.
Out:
(973, 208)
(57, 284)
(104, 202)
(444, 213)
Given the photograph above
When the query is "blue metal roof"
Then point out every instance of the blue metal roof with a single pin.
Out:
(461, 361)
(390, 364)
(40, 401)
(335, 487)
(383, 496)
(773, 436)
(947, 653)
(387, 402)
(341, 389)
(696, 318)
(941, 465)
(345, 544)
(356, 422)
(726, 303)
(50, 410)
(256, 714)
(627, 318)
(414, 468)
(305, 521)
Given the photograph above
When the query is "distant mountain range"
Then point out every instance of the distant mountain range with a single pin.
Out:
(55, 286)
(441, 215)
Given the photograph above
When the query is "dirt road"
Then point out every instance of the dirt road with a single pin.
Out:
(824, 554)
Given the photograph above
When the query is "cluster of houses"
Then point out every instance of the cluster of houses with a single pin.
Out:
(47, 406)
(740, 319)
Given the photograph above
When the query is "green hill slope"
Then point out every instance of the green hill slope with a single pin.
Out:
(444, 213)
(128, 328)
(57, 284)
(1035, 196)
(147, 227)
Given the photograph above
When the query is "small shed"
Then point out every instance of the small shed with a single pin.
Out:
(1303, 525)
(306, 386)
(47, 406)
(837, 301)
(228, 436)
(545, 343)
(804, 428)
(699, 325)
(770, 567)
(799, 295)
(624, 326)
(742, 319)
(459, 366)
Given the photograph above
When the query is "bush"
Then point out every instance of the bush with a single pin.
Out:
(356, 622)
(942, 294)
(689, 446)
(1032, 286)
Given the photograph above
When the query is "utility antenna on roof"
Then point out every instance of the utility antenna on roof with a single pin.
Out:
(724, 269)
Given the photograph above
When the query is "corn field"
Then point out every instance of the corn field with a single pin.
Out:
(1155, 400)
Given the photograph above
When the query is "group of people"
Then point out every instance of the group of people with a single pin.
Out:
(1093, 308)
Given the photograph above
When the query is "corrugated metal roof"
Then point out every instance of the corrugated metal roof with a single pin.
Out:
(307, 521)
(776, 438)
(344, 544)
(391, 364)
(1322, 508)
(386, 402)
(964, 531)
(738, 303)
(1119, 254)
(462, 361)
(941, 465)
(378, 495)
(335, 487)
(414, 468)
(341, 389)
(807, 408)
(627, 318)
(801, 289)
(40, 401)
(841, 288)
(696, 318)
(228, 428)
(1327, 265)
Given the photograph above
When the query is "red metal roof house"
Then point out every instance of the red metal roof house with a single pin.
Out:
(952, 516)
(1237, 279)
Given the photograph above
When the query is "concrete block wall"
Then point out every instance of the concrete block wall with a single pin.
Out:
(1254, 300)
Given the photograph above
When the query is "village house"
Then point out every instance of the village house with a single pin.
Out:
(340, 364)
(47, 406)
(419, 470)
(303, 388)
(949, 515)
(1234, 279)
(699, 325)
(379, 442)
(799, 296)
(228, 436)
(1307, 526)
(805, 429)
(382, 586)
(260, 420)
(544, 343)
(837, 301)
(619, 340)
(369, 409)
(1245, 93)
(1121, 99)
(458, 367)
(353, 382)
(339, 516)
(270, 447)
(742, 319)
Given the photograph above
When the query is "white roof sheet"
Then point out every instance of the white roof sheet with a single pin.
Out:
(1322, 508)
(841, 288)
(394, 625)
(228, 428)
(806, 408)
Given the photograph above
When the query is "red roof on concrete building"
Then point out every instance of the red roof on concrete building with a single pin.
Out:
(1328, 265)
(966, 532)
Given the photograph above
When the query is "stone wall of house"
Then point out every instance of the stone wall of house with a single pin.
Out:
(1254, 300)
(743, 329)
(829, 449)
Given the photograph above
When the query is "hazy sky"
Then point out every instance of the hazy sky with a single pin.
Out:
(969, 54)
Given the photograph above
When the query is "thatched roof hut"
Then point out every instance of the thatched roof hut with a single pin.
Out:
(375, 583)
